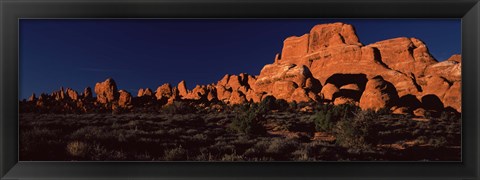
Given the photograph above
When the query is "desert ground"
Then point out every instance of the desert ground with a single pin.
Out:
(266, 131)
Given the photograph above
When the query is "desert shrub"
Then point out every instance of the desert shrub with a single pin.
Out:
(323, 121)
(268, 103)
(179, 107)
(175, 154)
(327, 116)
(293, 105)
(447, 116)
(358, 132)
(249, 121)
(98, 152)
(281, 105)
(232, 157)
(422, 139)
(282, 147)
(438, 142)
(77, 148)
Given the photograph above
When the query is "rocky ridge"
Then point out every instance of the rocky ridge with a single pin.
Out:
(327, 65)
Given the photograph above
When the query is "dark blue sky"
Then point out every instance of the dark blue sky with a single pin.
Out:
(147, 53)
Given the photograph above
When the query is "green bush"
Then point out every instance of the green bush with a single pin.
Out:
(358, 132)
(249, 121)
(328, 115)
(323, 121)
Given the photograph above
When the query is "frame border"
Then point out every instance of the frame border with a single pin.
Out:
(12, 10)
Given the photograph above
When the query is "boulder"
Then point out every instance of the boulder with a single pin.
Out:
(378, 94)
(328, 91)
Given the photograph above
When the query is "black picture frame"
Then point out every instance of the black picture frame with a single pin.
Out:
(12, 10)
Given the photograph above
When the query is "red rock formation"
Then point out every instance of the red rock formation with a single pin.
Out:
(32, 97)
(182, 88)
(72, 94)
(124, 99)
(237, 97)
(106, 91)
(87, 93)
(140, 92)
(164, 91)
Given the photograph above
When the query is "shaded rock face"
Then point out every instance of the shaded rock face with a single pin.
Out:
(87, 93)
(378, 94)
(106, 91)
